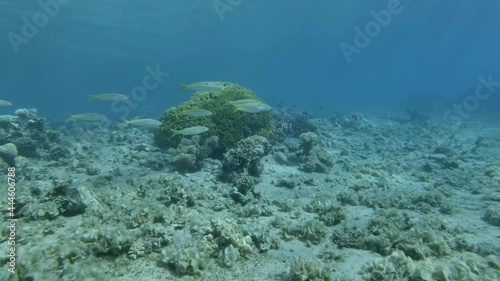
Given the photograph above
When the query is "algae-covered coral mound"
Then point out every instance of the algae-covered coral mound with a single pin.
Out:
(226, 123)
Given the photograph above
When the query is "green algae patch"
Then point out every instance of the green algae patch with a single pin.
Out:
(228, 124)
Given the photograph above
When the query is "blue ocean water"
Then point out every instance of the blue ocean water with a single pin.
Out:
(282, 50)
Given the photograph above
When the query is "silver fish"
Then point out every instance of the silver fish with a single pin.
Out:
(5, 103)
(202, 86)
(195, 130)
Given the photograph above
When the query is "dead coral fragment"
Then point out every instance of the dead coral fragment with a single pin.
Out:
(8, 152)
(190, 153)
(226, 233)
(242, 166)
(312, 157)
(301, 270)
(312, 232)
(188, 260)
(492, 215)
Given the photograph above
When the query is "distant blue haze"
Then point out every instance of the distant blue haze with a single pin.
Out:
(282, 49)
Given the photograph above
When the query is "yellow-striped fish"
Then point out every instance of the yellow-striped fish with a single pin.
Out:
(244, 101)
(148, 123)
(202, 86)
(195, 130)
(253, 107)
(110, 97)
(5, 103)
(95, 117)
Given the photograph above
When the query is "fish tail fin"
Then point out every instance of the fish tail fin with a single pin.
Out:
(70, 118)
(182, 87)
(124, 124)
(92, 97)
(175, 132)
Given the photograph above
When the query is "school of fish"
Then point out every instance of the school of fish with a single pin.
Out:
(243, 105)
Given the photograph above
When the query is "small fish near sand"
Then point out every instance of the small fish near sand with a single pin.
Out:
(109, 97)
(145, 123)
(195, 130)
(202, 86)
(196, 112)
(92, 117)
(5, 103)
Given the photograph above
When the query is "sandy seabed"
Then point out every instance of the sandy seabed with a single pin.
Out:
(399, 202)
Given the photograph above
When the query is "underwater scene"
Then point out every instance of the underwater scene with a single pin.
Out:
(228, 140)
